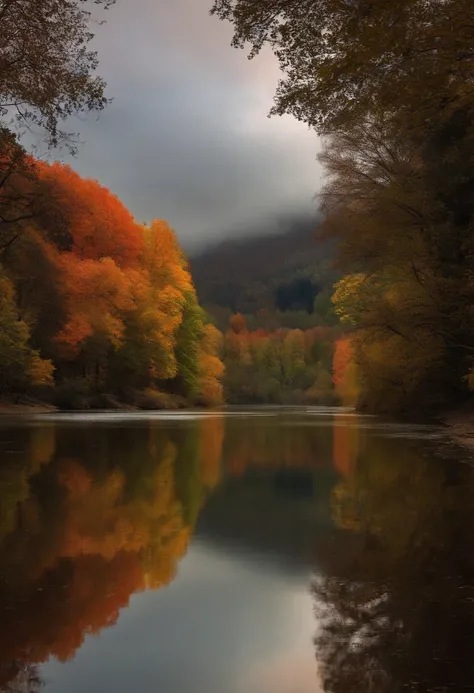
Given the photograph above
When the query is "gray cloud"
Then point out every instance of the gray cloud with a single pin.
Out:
(187, 136)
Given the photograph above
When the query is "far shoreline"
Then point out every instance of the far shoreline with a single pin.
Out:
(460, 423)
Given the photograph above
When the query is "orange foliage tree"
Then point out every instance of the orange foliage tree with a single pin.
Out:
(237, 323)
(110, 301)
(82, 216)
(345, 372)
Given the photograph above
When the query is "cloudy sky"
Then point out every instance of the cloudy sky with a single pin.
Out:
(187, 137)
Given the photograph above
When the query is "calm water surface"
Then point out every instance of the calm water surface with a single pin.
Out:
(245, 551)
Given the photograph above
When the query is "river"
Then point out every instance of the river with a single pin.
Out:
(273, 550)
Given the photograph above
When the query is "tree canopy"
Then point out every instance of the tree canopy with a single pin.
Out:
(104, 303)
(344, 59)
(389, 85)
(47, 70)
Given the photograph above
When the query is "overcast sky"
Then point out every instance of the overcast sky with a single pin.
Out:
(187, 137)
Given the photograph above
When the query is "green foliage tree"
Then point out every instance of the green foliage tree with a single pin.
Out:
(188, 338)
(280, 367)
(20, 365)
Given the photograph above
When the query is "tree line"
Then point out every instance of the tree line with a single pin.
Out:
(282, 366)
(93, 302)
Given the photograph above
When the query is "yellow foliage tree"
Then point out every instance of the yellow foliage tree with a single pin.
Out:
(211, 368)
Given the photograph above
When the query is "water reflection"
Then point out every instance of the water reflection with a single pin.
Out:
(395, 599)
(89, 517)
(92, 513)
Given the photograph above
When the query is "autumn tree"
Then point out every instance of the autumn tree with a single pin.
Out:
(80, 215)
(344, 60)
(211, 368)
(237, 323)
(41, 296)
(283, 366)
(46, 66)
(162, 331)
(345, 374)
(389, 86)
(109, 301)
(98, 298)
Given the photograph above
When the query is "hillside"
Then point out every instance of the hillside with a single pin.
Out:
(276, 280)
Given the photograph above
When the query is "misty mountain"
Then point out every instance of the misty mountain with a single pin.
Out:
(284, 273)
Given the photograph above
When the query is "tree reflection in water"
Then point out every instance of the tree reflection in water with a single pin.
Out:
(88, 520)
(395, 602)
(85, 522)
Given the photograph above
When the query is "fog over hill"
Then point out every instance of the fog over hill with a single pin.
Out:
(271, 227)
(278, 265)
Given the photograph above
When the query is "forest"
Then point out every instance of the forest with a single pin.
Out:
(95, 309)
(284, 366)
(275, 279)
(100, 311)
(271, 296)
(388, 86)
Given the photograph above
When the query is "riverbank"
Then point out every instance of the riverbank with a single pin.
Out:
(31, 408)
(142, 401)
(460, 421)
